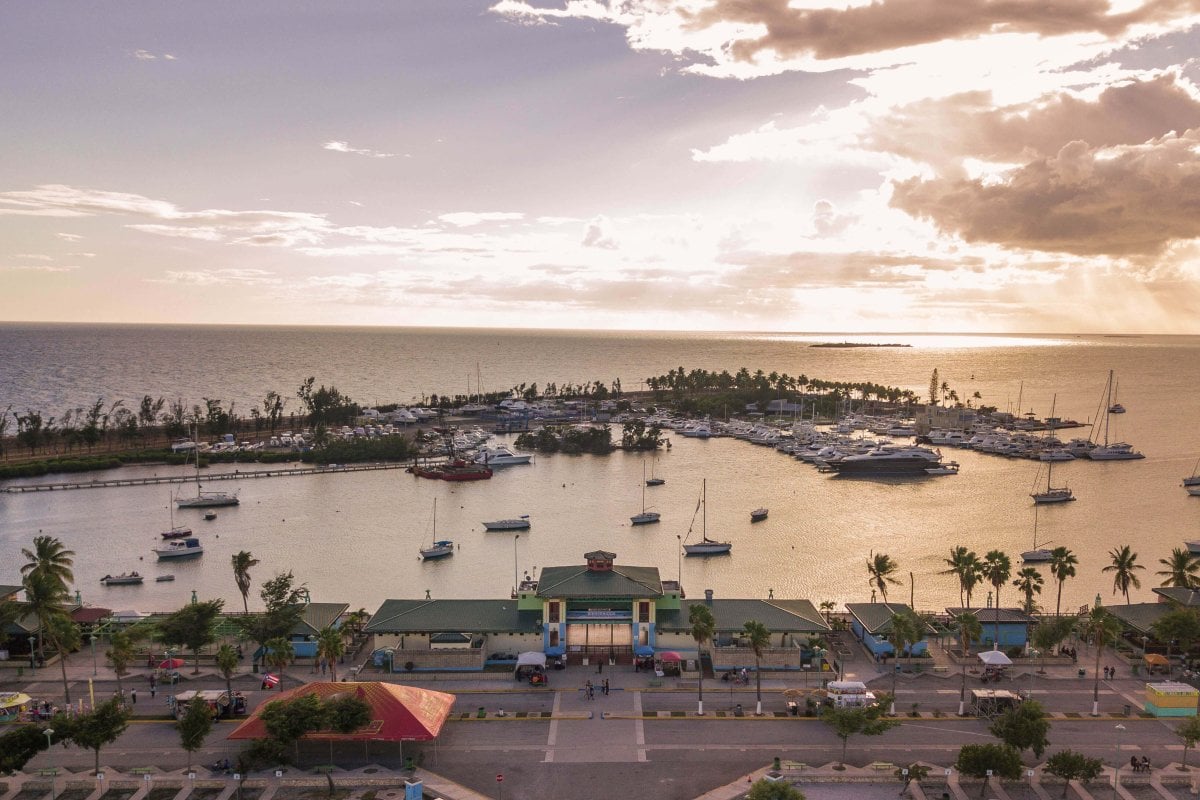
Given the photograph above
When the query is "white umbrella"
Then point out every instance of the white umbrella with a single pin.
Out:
(995, 658)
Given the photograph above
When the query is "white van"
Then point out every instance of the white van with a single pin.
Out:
(848, 694)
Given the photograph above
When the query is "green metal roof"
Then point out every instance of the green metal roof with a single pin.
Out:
(578, 582)
(990, 616)
(876, 617)
(1140, 616)
(437, 616)
(9, 592)
(779, 616)
(1179, 594)
(315, 617)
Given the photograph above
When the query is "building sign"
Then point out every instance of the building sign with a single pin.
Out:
(599, 613)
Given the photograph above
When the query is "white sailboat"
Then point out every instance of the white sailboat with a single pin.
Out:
(440, 547)
(1037, 554)
(205, 499)
(1194, 478)
(1051, 494)
(654, 481)
(646, 517)
(1117, 451)
(175, 531)
(706, 546)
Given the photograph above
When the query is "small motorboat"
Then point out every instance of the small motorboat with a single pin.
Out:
(758, 515)
(124, 579)
(164, 578)
(210, 514)
(517, 524)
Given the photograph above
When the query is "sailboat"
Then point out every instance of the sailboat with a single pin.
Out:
(1037, 554)
(440, 547)
(653, 481)
(176, 531)
(1117, 451)
(205, 499)
(646, 517)
(706, 546)
(1194, 478)
(1116, 407)
(1052, 494)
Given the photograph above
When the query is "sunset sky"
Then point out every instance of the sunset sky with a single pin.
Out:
(944, 165)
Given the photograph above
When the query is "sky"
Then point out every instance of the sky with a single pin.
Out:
(898, 165)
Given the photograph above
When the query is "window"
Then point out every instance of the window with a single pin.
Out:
(643, 611)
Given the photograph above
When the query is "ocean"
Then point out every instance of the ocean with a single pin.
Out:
(354, 537)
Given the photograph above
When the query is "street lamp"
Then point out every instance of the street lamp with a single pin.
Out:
(515, 583)
(49, 732)
(1117, 772)
(1033, 654)
(32, 655)
(92, 639)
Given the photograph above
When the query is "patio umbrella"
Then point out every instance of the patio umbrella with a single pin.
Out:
(994, 658)
(669, 655)
(171, 663)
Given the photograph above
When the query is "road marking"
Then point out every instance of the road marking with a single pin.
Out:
(552, 734)
(639, 727)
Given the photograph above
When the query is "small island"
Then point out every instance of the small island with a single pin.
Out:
(857, 344)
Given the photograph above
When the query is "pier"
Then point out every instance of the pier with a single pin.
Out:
(288, 472)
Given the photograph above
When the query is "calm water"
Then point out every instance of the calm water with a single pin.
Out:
(354, 537)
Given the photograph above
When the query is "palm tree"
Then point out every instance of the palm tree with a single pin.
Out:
(1180, 569)
(760, 639)
(1062, 566)
(906, 630)
(881, 571)
(120, 655)
(46, 598)
(227, 664)
(1124, 567)
(242, 562)
(1029, 582)
(1102, 627)
(279, 654)
(966, 627)
(996, 569)
(330, 646)
(960, 564)
(827, 607)
(703, 628)
(51, 558)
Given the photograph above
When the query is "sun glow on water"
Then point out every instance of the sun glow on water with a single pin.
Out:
(932, 341)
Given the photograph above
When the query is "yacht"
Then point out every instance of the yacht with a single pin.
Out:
(516, 524)
(1117, 451)
(178, 548)
(886, 460)
(124, 579)
(501, 455)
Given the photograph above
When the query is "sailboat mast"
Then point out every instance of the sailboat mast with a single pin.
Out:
(1107, 406)
(704, 509)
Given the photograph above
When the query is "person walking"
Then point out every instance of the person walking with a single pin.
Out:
(133, 696)
(606, 686)
(153, 689)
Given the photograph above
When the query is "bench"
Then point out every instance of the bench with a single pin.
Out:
(48, 772)
(880, 766)
(142, 770)
(324, 769)
(793, 766)
(941, 668)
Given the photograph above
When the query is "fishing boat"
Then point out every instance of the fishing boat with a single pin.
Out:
(645, 517)
(179, 548)
(440, 547)
(501, 455)
(1037, 554)
(758, 515)
(706, 546)
(1117, 451)
(164, 578)
(175, 531)
(454, 470)
(205, 499)
(515, 524)
(124, 579)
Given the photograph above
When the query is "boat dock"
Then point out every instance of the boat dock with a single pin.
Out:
(216, 476)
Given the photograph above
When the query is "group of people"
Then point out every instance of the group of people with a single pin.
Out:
(740, 677)
(1139, 766)
(1110, 673)
(589, 690)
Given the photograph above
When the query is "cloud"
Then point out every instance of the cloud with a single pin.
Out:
(464, 219)
(742, 38)
(344, 147)
(146, 55)
(254, 227)
(70, 237)
(827, 222)
(38, 267)
(598, 234)
(1129, 200)
(220, 277)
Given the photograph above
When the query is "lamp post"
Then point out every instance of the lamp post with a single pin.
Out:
(962, 693)
(49, 732)
(32, 655)
(515, 583)
(92, 639)
(1117, 772)
(1033, 654)
(679, 558)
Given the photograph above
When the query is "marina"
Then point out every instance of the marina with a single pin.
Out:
(377, 515)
